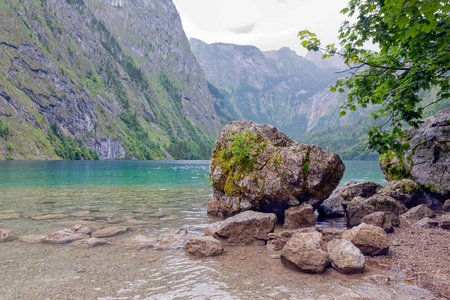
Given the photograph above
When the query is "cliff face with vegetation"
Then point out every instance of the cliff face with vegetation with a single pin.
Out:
(114, 78)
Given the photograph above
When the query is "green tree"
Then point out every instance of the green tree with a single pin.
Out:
(413, 38)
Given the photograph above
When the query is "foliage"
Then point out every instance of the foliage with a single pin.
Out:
(243, 149)
(137, 140)
(4, 130)
(413, 38)
(68, 147)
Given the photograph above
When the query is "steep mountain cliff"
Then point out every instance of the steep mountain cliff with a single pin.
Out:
(116, 77)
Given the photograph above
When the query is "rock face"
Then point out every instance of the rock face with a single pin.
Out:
(377, 202)
(332, 207)
(371, 240)
(246, 228)
(428, 160)
(419, 212)
(303, 252)
(346, 257)
(203, 246)
(257, 167)
(299, 216)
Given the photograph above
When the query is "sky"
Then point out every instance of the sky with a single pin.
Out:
(266, 24)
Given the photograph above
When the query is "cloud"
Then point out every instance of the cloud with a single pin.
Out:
(243, 29)
(282, 1)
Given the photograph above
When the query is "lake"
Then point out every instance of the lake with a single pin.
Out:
(151, 197)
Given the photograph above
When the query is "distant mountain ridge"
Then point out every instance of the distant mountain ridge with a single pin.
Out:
(276, 87)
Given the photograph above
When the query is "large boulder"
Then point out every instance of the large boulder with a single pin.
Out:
(203, 246)
(427, 161)
(377, 202)
(248, 227)
(371, 240)
(256, 167)
(299, 216)
(346, 257)
(277, 241)
(304, 252)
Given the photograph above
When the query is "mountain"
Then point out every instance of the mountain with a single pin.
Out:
(110, 79)
(275, 87)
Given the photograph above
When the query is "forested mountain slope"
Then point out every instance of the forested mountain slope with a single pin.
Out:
(115, 77)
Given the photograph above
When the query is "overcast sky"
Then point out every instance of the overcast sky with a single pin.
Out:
(266, 24)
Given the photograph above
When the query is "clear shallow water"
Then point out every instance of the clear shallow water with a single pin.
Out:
(151, 197)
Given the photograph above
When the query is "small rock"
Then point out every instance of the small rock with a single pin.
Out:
(303, 252)
(426, 223)
(380, 219)
(212, 228)
(92, 242)
(172, 240)
(41, 217)
(62, 236)
(6, 236)
(353, 189)
(446, 206)
(406, 191)
(332, 207)
(110, 231)
(9, 216)
(142, 242)
(299, 216)
(249, 227)
(203, 246)
(419, 212)
(78, 228)
(444, 222)
(377, 202)
(371, 240)
(31, 239)
(331, 233)
(345, 257)
(380, 279)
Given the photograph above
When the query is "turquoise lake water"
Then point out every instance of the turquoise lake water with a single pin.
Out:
(151, 198)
